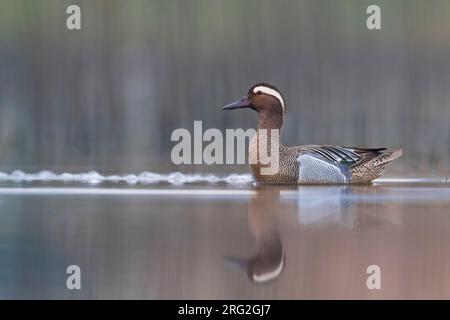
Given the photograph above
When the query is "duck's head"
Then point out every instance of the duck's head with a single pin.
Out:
(262, 97)
(260, 269)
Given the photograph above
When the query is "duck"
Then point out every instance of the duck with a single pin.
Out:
(305, 164)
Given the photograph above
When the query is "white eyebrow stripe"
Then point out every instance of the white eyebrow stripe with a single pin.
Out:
(270, 275)
(271, 92)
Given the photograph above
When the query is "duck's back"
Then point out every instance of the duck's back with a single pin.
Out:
(323, 164)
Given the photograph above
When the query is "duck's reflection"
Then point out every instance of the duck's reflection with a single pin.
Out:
(319, 206)
(275, 210)
(263, 223)
(338, 206)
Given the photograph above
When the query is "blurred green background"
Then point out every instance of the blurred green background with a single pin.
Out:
(108, 97)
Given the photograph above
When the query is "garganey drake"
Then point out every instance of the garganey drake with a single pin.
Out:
(309, 164)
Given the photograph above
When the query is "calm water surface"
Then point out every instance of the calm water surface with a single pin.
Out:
(204, 240)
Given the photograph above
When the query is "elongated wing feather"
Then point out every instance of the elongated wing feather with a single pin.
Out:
(344, 155)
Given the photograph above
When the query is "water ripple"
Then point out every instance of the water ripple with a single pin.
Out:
(93, 177)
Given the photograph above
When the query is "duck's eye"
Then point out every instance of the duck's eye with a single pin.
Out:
(259, 93)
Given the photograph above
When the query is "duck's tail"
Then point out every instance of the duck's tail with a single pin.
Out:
(372, 169)
(388, 156)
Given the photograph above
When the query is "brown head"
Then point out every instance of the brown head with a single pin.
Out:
(265, 99)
